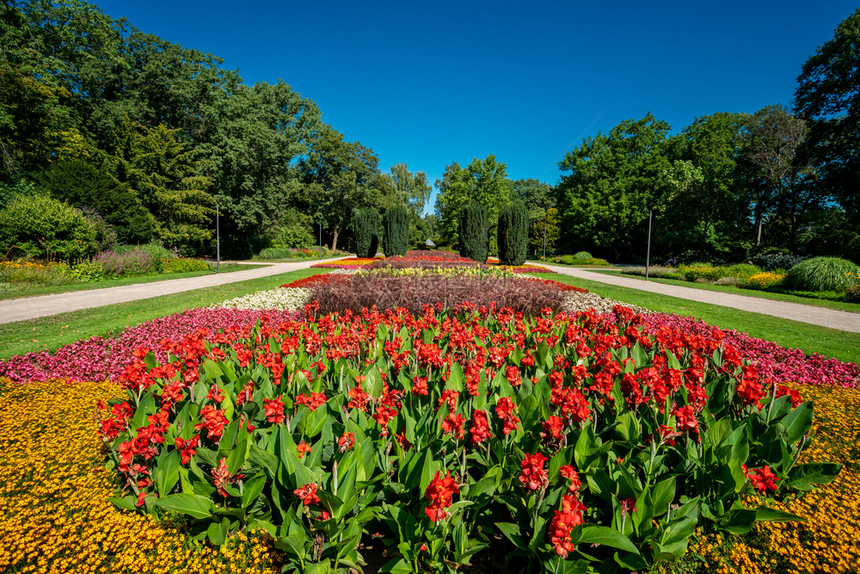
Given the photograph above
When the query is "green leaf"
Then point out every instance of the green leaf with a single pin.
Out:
(805, 476)
(739, 521)
(190, 504)
(167, 474)
(264, 459)
(252, 488)
(663, 495)
(763, 514)
(397, 566)
(607, 537)
(217, 531)
(512, 532)
(798, 422)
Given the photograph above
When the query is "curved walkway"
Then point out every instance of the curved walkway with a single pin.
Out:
(44, 305)
(832, 318)
(33, 307)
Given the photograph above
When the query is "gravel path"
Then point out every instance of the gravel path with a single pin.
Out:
(33, 307)
(834, 319)
(44, 305)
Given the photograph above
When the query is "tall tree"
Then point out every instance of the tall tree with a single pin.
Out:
(611, 183)
(828, 96)
(771, 141)
(482, 181)
(341, 177)
(413, 191)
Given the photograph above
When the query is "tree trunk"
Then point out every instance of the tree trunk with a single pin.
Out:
(758, 234)
(334, 238)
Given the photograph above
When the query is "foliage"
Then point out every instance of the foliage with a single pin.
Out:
(545, 231)
(184, 265)
(292, 231)
(82, 184)
(574, 260)
(128, 263)
(40, 226)
(775, 261)
(513, 234)
(482, 181)
(473, 232)
(823, 274)
(610, 183)
(395, 231)
(306, 433)
(412, 189)
(366, 233)
(275, 253)
(582, 255)
(24, 274)
(828, 98)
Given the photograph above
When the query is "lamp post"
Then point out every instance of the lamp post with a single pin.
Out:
(218, 236)
(320, 249)
(648, 253)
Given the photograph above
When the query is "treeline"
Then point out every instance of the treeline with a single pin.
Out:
(151, 137)
(728, 186)
(147, 138)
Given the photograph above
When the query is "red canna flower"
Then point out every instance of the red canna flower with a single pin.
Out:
(274, 410)
(440, 492)
(186, 448)
(533, 475)
(480, 427)
(302, 448)
(568, 472)
(686, 418)
(308, 494)
(563, 523)
(214, 422)
(453, 425)
(346, 442)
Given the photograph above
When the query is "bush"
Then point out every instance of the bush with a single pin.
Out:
(275, 253)
(774, 261)
(185, 265)
(365, 229)
(395, 231)
(742, 270)
(43, 227)
(513, 234)
(823, 274)
(582, 255)
(295, 235)
(128, 263)
(474, 238)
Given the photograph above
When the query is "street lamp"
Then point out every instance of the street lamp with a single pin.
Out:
(218, 235)
(648, 253)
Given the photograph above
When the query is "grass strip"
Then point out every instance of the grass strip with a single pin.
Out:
(808, 338)
(50, 333)
(826, 303)
(55, 289)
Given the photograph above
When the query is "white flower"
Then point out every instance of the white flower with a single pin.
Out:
(282, 299)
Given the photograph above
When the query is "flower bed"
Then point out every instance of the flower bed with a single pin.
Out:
(280, 299)
(99, 358)
(579, 440)
(774, 361)
(421, 260)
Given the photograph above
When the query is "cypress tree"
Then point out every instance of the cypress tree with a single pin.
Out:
(365, 227)
(395, 231)
(474, 233)
(513, 234)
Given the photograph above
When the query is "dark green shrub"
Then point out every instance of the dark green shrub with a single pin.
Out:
(43, 227)
(294, 235)
(474, 232)
(823, 274)
(365, 232)
(395, 231)
(185, 265)
(582, 255)
(513, 234)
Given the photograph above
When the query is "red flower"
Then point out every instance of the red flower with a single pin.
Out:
(480, 427)
(419, 386)
(302, 448)
(533, 475)
(346, 442)
(563, 523)
(308, 494)
(453, 425)
(312, 400)
(223, 477)
(358, 399)
(274, 410)
(186, 448)
(512, 374)
(552, 430)
(686, 418)
(762, 479)
(568, 472)
(214, 422)
(440, 492)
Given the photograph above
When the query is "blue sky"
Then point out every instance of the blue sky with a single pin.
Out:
(430, 83)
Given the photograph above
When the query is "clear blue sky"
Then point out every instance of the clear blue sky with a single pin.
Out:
(430, 83)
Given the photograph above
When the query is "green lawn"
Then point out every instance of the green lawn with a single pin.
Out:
(54, 289)
(810, 339)
(50, 333)
(838, 305)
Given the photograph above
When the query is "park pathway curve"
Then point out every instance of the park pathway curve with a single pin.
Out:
(45, 305)
(832, 318)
